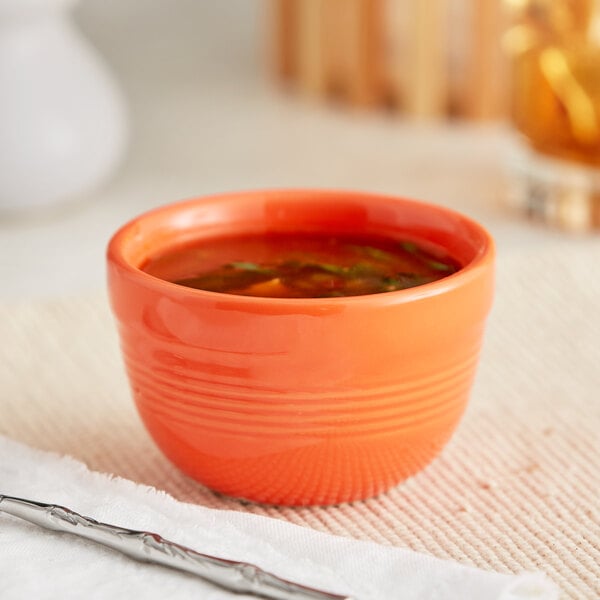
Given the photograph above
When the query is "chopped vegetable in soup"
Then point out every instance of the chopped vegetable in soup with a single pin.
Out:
(302, 265)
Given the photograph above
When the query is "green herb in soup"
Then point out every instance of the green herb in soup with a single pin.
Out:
(302, 265)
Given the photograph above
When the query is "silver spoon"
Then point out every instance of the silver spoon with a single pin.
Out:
(235, 576)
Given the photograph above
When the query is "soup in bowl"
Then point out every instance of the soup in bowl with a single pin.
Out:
(301, 347)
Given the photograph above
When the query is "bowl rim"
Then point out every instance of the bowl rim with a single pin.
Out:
(115, 256)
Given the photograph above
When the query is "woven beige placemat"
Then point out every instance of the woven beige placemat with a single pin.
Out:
(517, 487)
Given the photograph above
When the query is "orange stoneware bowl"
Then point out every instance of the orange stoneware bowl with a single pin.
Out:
(300, 401)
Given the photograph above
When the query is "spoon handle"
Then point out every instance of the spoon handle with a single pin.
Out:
(238, 577)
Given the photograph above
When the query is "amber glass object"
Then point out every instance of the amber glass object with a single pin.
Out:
(555, 50)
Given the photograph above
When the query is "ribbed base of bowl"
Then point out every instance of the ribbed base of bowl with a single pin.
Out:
(313, 472)
(298, 448)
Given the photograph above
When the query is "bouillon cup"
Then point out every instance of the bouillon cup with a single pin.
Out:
(300, 401)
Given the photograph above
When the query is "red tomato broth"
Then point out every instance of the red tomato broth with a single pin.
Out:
(302, 265)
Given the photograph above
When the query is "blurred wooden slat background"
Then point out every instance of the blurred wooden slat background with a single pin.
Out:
(425, 59)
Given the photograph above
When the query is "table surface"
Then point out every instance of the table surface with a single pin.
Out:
(199, 128)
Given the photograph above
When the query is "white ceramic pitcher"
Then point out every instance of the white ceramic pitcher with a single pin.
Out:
(62, 118)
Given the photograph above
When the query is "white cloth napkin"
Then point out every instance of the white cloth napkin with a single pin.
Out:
(35, 563)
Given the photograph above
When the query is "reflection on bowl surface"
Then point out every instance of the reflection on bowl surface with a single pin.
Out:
(300, 400)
